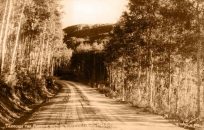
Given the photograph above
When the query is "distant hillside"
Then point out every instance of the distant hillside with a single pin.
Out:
(93, 32)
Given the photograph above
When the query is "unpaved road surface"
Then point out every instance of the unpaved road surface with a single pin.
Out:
(79, 107)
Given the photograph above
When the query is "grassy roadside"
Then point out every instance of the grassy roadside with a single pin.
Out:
(102, 89)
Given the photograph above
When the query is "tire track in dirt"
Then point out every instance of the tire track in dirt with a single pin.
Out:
(79, 107)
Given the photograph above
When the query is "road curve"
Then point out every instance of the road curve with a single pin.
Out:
(79, 107)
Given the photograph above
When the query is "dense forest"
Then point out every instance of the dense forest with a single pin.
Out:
(154, 58)
(151, 58)
(31, 47)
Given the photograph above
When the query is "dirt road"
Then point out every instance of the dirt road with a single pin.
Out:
(81, 107)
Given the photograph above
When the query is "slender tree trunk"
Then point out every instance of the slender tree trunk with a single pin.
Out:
(6, 35)
(41, 58)
(150, 69)
(31, 56)
(38, 56)
(3, 25)
(16, 43)
(150, 79)
(169, 89)
(155, 86)
(47, 56)
(177, 91)
(147, 86)
(123, 82)
(52, 68)
(139, 83)
(48, 64)
(199, 80)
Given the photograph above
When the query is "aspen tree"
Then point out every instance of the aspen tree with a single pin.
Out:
(3, 25)
(199, 80)
(16, 42)
(6, 34)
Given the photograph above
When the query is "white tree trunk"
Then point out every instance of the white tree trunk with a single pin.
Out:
(16, 43)
(6, 35)
(2, 25)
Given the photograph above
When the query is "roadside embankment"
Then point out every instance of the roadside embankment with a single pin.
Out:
(28, 94)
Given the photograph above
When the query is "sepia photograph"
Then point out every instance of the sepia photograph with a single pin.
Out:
(101, 64)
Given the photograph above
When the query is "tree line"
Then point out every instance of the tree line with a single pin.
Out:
(31, 48)
(30, 38)
(155, 58)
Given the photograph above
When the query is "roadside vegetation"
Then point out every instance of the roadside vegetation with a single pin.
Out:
(155, 58)
(31, 48)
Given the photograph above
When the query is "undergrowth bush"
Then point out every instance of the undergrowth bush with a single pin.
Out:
(5, 90)
(32, 88)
